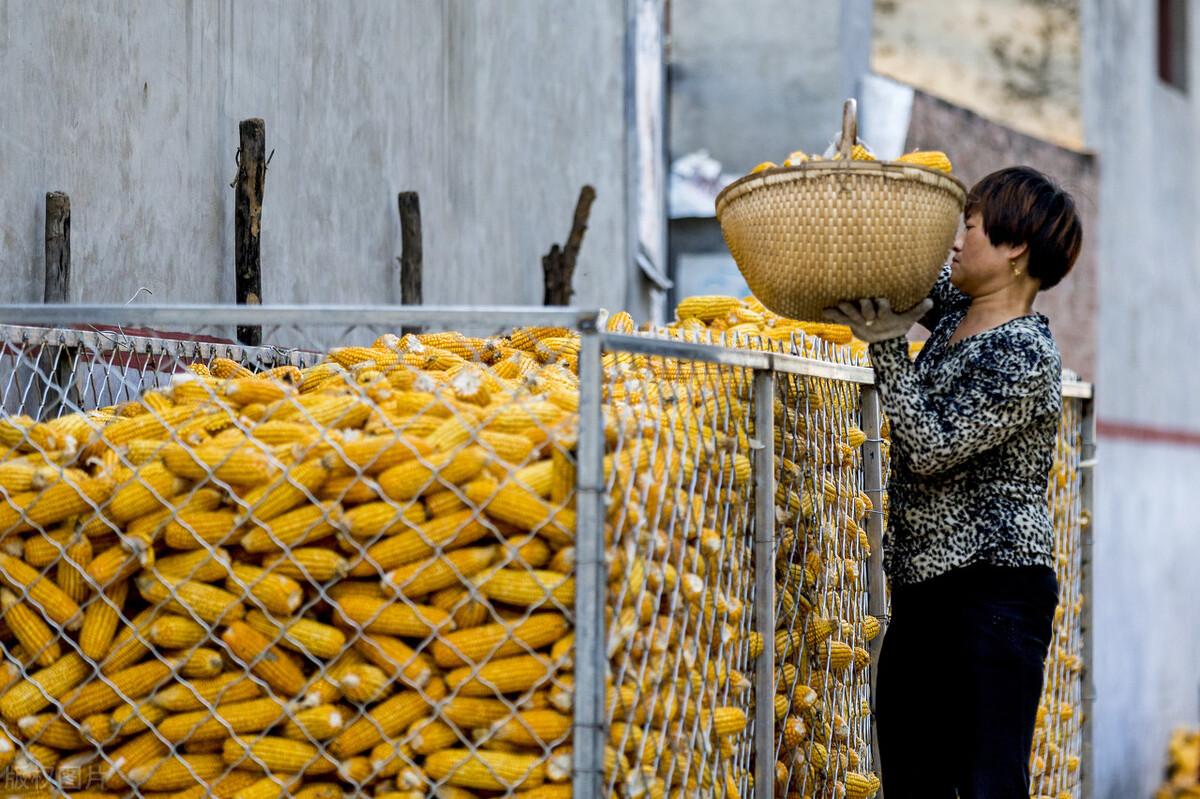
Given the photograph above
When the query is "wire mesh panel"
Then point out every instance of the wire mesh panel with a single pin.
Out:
(354, 576)
(822, 701)
(1058, 737)
(681, 640)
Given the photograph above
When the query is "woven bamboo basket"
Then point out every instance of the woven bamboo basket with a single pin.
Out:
(808, 236)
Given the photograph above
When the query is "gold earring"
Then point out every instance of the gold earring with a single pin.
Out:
(1012, 264)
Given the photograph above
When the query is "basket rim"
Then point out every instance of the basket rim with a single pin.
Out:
(810, 169)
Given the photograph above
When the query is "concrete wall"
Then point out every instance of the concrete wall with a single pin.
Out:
(977, 146)
(496, 112)
(1014, 61)
(1147, 529)
(753, 80)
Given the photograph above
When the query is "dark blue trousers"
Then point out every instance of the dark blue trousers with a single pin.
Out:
(959, 681)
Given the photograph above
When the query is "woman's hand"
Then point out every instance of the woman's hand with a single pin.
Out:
(874, 320)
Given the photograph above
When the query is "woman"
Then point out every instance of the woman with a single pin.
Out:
(969, 549)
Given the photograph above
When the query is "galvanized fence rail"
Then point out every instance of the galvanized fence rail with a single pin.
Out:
(728, 511)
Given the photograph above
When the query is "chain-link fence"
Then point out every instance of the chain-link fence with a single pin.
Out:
(544, 559)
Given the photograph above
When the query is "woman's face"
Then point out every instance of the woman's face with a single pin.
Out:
(979, 267)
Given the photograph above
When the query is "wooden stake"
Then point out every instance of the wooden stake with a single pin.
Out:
(55, 363)
(558, 265)
(248, 200)
(411, 254)
(58, 247)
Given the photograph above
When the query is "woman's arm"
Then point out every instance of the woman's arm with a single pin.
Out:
(946, 297)
(939, 432)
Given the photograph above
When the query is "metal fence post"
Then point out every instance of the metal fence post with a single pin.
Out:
(872, 453)
(590, 662)
(764, 582)
(1087, 465)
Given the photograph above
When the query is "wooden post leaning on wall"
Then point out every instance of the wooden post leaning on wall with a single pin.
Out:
(56, 363)
(411, 253)
(558, 265)
(248, 199)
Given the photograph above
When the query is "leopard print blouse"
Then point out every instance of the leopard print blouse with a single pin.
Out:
(973, 431)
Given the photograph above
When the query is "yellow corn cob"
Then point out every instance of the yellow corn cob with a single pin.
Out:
(468, 712)
(307, 523)
(520, 418)
(860, 786)
(195, 529)
(50, 729)
(153, 424)
(199, 565)
(100, 621)
(133, 682)
(149, 489)
(187, 597)
(932, 159)
(444, 503)
(837, 654)
(44, 595)
(501, 676)
(527, 587)
(398, 661)
(519, 507)
(308, 564)
(51, 505)
(256, 651)
(253, 715)
(276, 754)
(228, 369)
(706, 308)
(176, 772)
(350, 490)
(870, 627)
(382, 616)
(427, 735)
(508, 447)
(380, 518)
(491, 641)
(173, 631)
(500, 771)
(423, 577)
(374, 454)
(136, 751)
(301, 635)
(385, 720)
(239, 461)
(455, 530)
(199, 662)
(70, 573)
(274, 592)
(363, 683)
(532, 728)
(414, 478)
(196, 694)
(314, 723)
(728, 721)
(320, 790)
(270, 787)
(285, 492)
(323, 411)
(30, 630)
(35, 760)
(246, 390)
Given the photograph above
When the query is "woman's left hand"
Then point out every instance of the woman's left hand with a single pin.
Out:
(874, 320)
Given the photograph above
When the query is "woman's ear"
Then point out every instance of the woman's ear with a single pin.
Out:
(1016, 251)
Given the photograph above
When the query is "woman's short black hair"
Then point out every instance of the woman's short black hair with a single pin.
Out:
(1020, 205)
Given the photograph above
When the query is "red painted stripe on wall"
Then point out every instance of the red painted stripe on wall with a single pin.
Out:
(1132, 431)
